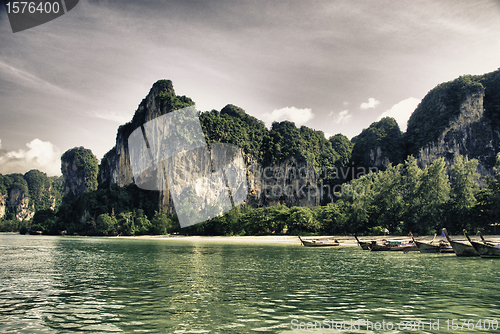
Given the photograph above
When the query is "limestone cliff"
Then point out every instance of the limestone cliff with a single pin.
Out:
(458, 118)
(264, 189)
(19, 204)
(79, 167)
(161, 99)
(3, 205)
(292, 182)
(379, 145)
(21, 196)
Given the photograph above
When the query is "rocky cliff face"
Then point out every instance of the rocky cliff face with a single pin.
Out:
(378, 158)
(79, 167)
(19, 204)
(3, 205)
(267, 184)
(161, 99)
(115, 165)
(469, 132)
(23, 195)
(379, 145)
(292, 182)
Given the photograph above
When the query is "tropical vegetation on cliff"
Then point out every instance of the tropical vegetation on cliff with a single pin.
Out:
(402, 191)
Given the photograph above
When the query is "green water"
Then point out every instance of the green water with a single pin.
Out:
(97, 285)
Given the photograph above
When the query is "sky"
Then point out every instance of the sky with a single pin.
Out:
(335, 65)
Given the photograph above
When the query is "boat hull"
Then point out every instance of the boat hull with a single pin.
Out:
(374, 247)
(463, 249)
(446, 248)
(319, 243)
(428, 247)
(425, 247)
(486, 250)
(364, 245)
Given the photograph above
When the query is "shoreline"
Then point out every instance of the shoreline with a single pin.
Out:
(345, 241)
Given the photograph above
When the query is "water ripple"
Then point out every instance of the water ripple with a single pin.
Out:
(64, 285)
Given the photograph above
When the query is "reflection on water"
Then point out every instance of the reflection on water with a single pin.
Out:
(63, 285)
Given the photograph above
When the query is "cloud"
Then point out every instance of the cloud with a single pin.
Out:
(41, 155)
(341, 117)
(372, 103)
(296, 115)
(29, 79)
(110, 116)
(401, 111)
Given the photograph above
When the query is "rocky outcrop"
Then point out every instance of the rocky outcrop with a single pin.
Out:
(267, 185)
(292, 182)
(458, 118)
(161, 99)
(19, 204)
(468, 134)
(3, 205)
(79, 167)
(115, 165)
(378, 158)
(379, 145)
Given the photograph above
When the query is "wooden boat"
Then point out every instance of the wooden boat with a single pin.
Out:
(445, 247)
(427, 246)
(485, 248)
(406, 245)
(364, 244)
(326, 242)
(459, 247)
(433, 246)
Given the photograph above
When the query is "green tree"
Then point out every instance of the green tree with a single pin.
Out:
(434, 192)
(45, 221)
(126, 225)
(276, 217)
(106, 224)
(343, 146)
(160, 223)
(142, 223)
(410, 186)
(302, 220)
(332, 218)
(462, 196)
(388, 198)
(487, 209)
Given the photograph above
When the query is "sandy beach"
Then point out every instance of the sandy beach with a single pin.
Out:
(345, 241)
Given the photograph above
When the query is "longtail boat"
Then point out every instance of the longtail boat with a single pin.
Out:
(325, 242)
(461, 248)
(485, 248)
(433, 246)
(364, 244)
(406, 245)
(427, 246)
